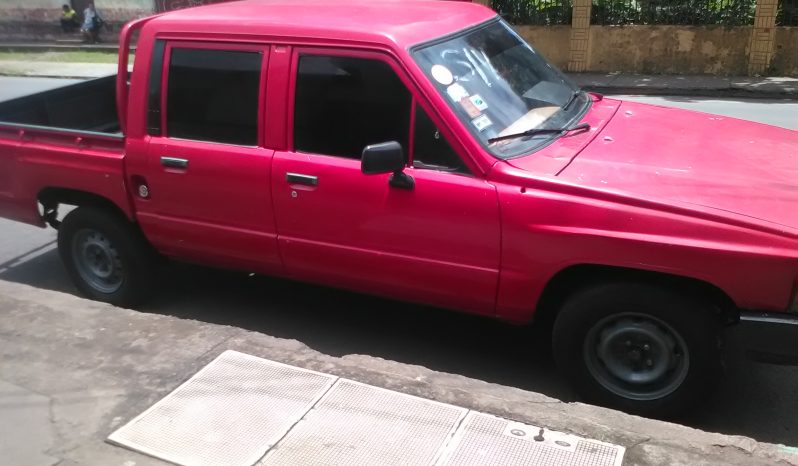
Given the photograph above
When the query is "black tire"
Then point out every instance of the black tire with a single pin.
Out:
(94, 242)
(640, 348)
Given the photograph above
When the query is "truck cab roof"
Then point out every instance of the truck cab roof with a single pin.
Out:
(394, 23)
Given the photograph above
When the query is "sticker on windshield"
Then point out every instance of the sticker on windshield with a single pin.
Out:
(442, 74)
(469, 107)
(481, 122)
(480, 104)
(456, 92)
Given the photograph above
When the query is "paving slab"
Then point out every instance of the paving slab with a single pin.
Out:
(101, 366)
(25, 412)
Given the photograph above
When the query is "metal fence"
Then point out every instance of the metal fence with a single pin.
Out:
(679, 12)
(534, 12)
(788, 13)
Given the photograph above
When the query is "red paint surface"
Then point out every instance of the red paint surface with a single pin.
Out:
(168, 5)
(647, 188)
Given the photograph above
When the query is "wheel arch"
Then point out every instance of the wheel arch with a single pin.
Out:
(51, 197)
(575, 277)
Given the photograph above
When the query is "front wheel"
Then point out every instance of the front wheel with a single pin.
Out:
(106, 256)
(640, 348)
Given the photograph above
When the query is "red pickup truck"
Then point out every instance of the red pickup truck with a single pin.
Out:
(420, 150)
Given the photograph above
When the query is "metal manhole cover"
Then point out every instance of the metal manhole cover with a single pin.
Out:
(488, 440)
(229, 413)
(358, 424)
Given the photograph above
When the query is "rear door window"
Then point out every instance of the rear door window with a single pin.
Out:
(213, 95)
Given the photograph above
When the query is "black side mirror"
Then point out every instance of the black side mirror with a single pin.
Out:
(386, 157)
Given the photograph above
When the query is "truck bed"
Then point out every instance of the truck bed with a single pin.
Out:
(62, 140)
(85, 106)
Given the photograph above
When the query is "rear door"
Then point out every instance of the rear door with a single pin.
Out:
(207, 169)
(437, 243)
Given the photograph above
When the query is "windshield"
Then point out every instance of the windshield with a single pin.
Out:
(498, 85)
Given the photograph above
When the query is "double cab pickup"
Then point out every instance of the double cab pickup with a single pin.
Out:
(420, 150)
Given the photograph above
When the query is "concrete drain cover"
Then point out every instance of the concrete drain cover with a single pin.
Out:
(229, 413)
(357, 424)
(487, 440)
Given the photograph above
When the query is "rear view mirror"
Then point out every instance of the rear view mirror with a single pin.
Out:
(386, 157)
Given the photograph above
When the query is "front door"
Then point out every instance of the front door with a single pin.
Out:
(436, 243)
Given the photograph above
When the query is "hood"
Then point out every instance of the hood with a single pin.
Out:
(674, 155)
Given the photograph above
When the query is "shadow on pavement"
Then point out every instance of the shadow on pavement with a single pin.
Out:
(338, 323)
(755, 400)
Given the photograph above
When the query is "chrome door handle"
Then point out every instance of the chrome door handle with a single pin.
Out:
(173, 162)
(298, 178)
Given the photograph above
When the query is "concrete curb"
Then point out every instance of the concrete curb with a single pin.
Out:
(61, 47)
(100, 365)
(51, 76)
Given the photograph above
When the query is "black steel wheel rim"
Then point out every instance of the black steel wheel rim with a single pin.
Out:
(636, 356)
(97, 261)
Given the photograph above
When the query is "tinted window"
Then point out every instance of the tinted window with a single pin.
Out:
(213, 96)
(430, 148)
(344, 104)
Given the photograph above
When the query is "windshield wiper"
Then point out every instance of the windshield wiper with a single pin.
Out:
(572, 99)
(532, 132)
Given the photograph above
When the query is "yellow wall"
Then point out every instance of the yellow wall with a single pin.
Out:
(713, 50)
(549, 41)
(785, 59)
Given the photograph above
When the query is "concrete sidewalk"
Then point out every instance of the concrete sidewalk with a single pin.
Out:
(72, 371)
(607, 83)
(56, 69)
(704, 86)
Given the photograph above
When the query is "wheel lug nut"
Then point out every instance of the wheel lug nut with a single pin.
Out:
(649, 362)
(628, 343)
(646, 347)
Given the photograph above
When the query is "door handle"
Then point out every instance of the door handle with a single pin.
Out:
(298, 178)
(173, 162)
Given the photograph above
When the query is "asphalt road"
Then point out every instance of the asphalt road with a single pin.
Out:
(756, 400)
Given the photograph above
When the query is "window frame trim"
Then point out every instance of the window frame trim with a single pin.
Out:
(263, 49)
(416, 98)
(412, 156)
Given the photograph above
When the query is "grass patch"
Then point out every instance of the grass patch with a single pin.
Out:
(62, 57)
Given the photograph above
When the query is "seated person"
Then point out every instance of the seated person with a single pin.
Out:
(69, 20)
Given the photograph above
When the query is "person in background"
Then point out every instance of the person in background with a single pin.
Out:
(69, 20)
(92, 22)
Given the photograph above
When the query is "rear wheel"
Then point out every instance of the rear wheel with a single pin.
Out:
(106, 256)
(640, 348)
